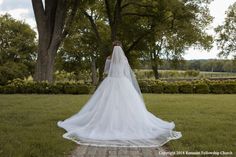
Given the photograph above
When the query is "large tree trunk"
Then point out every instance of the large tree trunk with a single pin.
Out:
(114, 18)
(46, 58)
(44, 66)
(52, 28)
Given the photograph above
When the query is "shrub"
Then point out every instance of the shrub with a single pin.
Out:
(146, 86)
(145, 89)
(171, 88)
(75, 88)
(12, 70)
(191, 73)
(21, 86)
(217, 88)
(170, 74)
(201, 88)
(9, 89)
(185, 88)
(158, 88)
(230, 88)
(64, 76)
(144, 74)
(1, 89)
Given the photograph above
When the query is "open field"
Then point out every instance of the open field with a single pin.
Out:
(28, 122)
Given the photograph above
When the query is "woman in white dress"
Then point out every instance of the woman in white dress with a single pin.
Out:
(116, 115)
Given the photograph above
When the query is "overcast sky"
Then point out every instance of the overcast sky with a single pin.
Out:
(22, 10)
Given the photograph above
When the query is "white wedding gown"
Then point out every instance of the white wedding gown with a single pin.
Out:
(116, 114)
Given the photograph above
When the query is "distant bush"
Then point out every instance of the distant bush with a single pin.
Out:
(28, 87)
(230, 88)
(158, 88)
(11, 70)
(170, 88)
(171, 74)
(192, 73)
(217, 88)
(185, 87)
(148, 74)
(199, 86)
(64, 76)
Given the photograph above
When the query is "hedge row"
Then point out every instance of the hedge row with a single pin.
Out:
(147, 86)
(19, 86)
(200, 87)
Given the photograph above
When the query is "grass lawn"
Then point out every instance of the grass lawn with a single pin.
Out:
(28, 122)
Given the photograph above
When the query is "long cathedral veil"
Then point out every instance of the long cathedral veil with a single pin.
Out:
(119, 67)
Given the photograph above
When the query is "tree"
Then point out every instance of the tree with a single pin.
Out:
(53, 19)
(125, 20)
(82, 49)
(226, 33)
(185, 27)
(134, 23)
(79, 52)
(140, 26)
(17, 49)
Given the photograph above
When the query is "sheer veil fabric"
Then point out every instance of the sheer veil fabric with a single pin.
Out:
(115, 115)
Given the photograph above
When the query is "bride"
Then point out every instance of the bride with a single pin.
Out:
(116, 114)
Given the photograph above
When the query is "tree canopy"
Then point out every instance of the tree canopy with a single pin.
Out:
(17, 49)
(226, 33)
(148, 29)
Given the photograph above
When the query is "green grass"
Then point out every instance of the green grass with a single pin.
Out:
(28, 122)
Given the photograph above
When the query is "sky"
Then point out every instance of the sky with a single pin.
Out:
(22, 10)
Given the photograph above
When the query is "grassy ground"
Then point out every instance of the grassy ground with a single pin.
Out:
(28, 122)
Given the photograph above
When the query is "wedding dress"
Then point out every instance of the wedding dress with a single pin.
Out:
(116, 115)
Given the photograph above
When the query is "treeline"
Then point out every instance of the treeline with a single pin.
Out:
(210, 65)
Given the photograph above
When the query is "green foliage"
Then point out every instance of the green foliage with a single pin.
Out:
(192, 73)
(170, 74)
(185, 87)
(12, 70)
(76, 89)
(157, 88)
(185, 27)
(201, 88)
(139, 25)
(21, 86)
(170, 88)
(188, 87)
(226, 33)
(230, 88)
(148, 74)
(217, 88)
(210, 65)
(146, 86)
(63, 76)
(17, 49)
